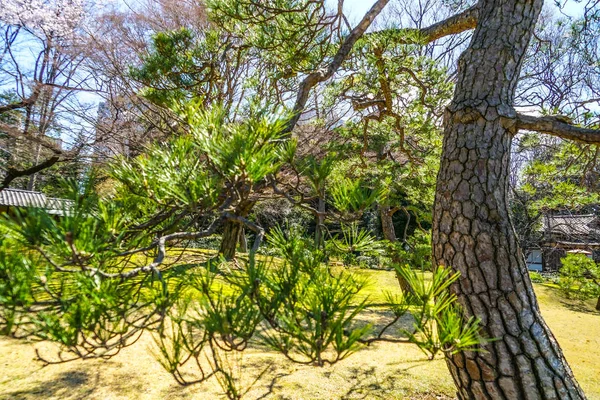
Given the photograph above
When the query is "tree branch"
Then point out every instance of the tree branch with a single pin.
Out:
(161, 243)
(455, 24)
(450, 26)
(23, 103)
(321, 75)
(556, 127)
(12, 173)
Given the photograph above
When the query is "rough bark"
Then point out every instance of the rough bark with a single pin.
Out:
(472, 230)
(229, 239)
(387, 224)
(232, 231)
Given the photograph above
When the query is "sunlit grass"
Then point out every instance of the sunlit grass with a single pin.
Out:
(387, 371)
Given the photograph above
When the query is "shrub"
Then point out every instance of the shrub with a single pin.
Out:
(370, 262)
(536, 277)
(579, 277)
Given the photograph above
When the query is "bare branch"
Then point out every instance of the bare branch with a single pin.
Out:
(321, 75)
(455, 24)
(12, 173)
(556, 127)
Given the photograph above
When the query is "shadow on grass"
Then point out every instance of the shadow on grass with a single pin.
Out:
(66, 386)
(272, 385)
(378, 318)
(259, 386)
(368, 384)
(579, 306)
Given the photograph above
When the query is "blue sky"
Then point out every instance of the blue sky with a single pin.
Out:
(355, 9)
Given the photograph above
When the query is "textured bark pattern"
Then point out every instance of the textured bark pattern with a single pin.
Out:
(472, 228)
(243, 241)
(229, 240)
(233, 230)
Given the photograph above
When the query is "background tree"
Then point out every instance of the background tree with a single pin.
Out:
(580, 277)
(45, 120)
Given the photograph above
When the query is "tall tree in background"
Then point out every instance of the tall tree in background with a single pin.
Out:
(45, 122)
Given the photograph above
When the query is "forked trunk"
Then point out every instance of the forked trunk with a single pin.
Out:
(472, 229)
(232, 231)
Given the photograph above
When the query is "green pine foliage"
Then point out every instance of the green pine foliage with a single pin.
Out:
(98, 277)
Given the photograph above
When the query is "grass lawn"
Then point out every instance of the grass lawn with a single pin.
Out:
(385, 371)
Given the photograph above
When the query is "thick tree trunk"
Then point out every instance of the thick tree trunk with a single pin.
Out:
(229, 239)
(232, 231)
(598, 304)
(389, 233)
(472, 230)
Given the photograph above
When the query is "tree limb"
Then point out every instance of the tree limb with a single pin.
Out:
(455, 24)
(161, 244)
(12, 173)
(450, 26)
(23, 103)
(323, 74)
(16, 106)
(556, 127)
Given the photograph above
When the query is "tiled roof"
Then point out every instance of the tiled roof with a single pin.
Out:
(583, 226)
(22, 198)
(27, 198)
